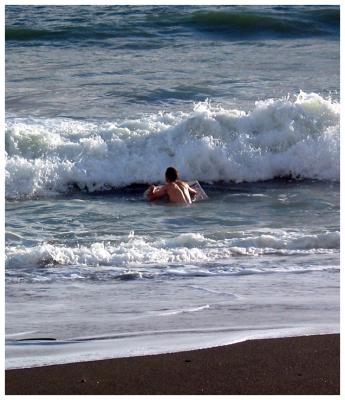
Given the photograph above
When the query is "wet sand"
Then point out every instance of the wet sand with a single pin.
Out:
(297, 365)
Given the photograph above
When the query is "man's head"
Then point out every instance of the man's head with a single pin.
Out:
(171, 174)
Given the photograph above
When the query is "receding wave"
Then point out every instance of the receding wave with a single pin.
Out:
(289, 137)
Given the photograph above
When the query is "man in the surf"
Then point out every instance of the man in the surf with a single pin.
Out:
(175, 190)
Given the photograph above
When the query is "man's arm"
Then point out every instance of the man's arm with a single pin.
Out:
(156, 193)
(192, 191)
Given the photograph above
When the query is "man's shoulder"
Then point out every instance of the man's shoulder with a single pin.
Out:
(182, 183)
(164, 188)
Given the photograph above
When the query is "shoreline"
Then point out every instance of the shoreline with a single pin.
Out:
(290, 365)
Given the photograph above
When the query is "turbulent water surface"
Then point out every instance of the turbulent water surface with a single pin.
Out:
(100, 100)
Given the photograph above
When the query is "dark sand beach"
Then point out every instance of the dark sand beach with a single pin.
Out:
(296, 365)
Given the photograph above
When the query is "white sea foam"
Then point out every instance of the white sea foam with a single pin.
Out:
(184, 310)
(41, 352)
(185, 248)
(297, 137)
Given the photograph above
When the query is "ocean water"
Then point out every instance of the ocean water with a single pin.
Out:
(100, 100)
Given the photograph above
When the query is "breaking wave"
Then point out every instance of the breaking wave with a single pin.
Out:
(293, 136)
(189, 253)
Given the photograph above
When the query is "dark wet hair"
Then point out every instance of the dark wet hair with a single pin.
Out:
(171, 174)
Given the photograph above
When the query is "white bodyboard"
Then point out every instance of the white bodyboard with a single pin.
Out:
(201, 195)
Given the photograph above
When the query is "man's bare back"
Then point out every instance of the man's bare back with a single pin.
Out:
(177, 191)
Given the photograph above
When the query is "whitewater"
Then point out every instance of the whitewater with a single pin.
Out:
(244, 99)
(290, 137)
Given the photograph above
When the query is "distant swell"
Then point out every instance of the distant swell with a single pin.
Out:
(63, 34)
(231, 22)
(27, 34)
(254, 23)
(295, 137)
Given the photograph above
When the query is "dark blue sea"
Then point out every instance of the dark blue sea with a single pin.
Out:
(100, 100)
